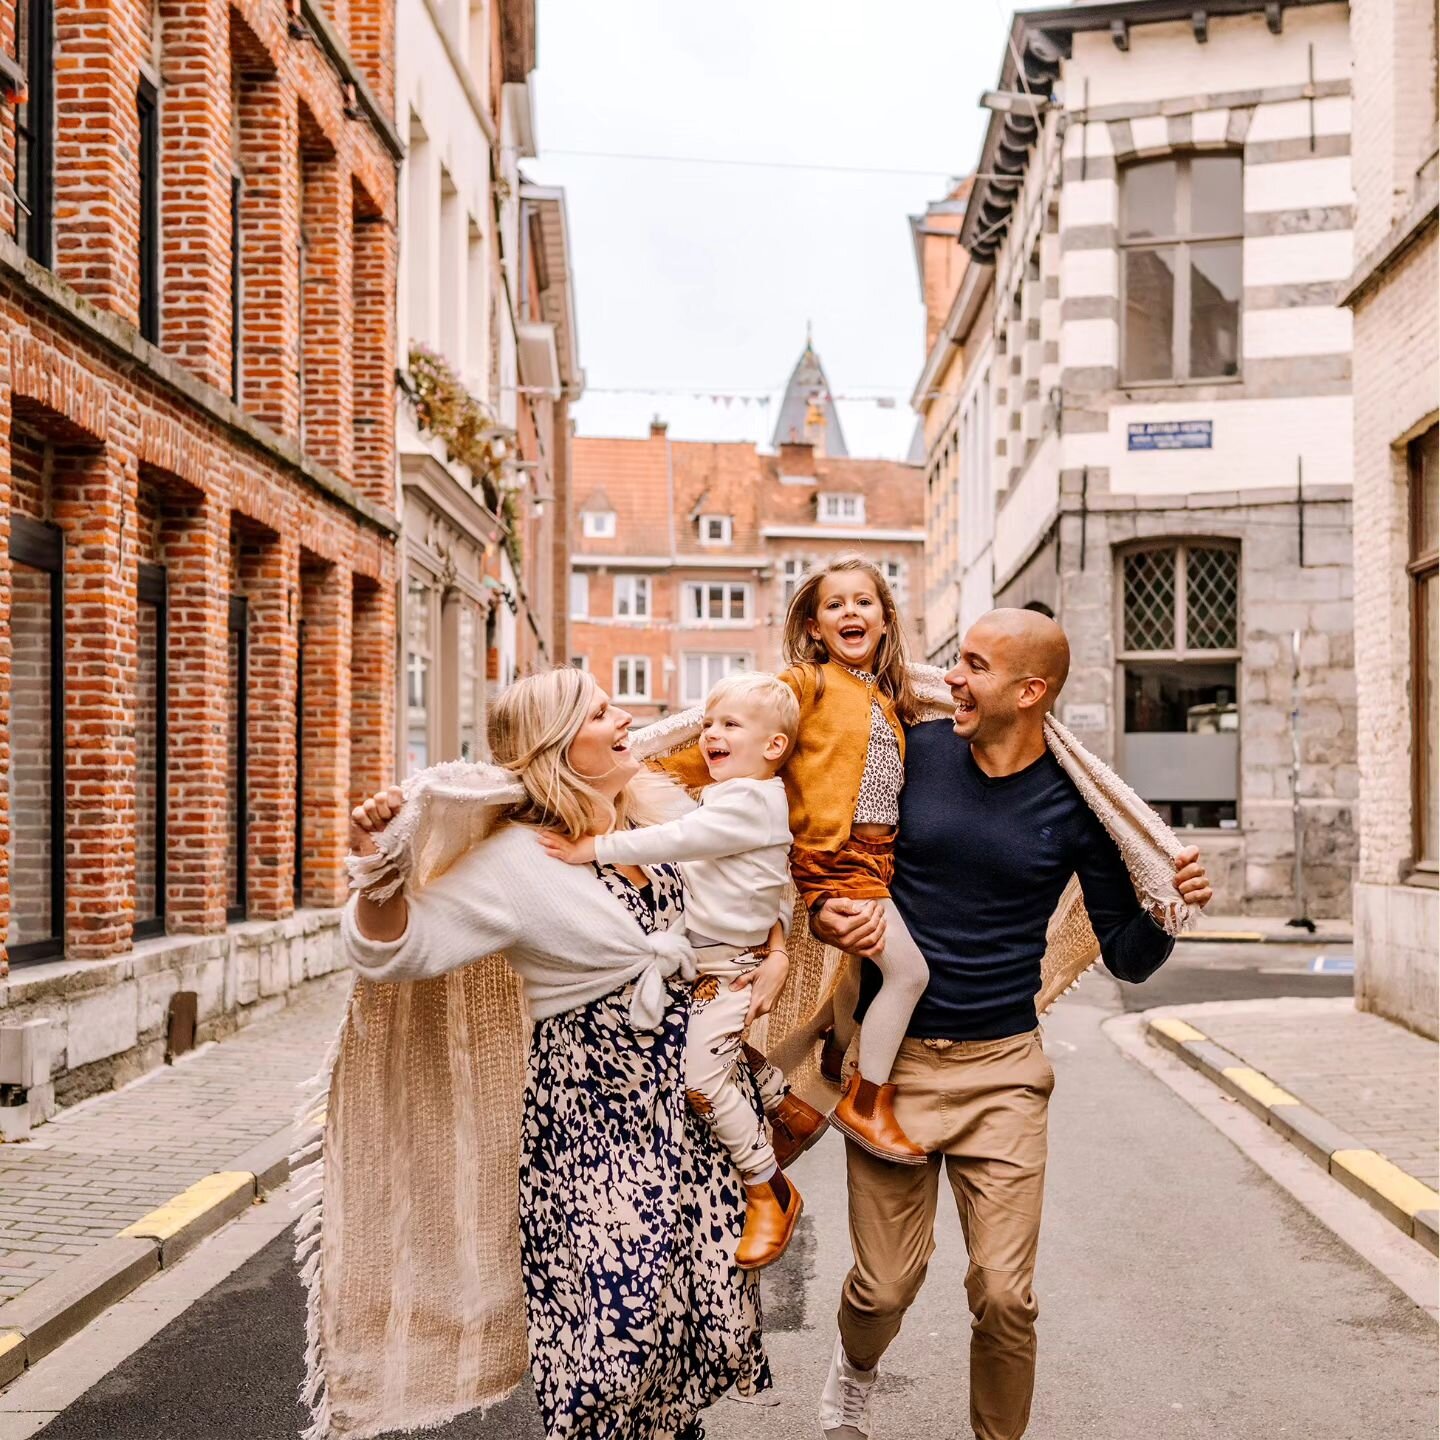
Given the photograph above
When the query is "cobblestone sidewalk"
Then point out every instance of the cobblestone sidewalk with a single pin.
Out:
(1373, 1078)
(97, 1168)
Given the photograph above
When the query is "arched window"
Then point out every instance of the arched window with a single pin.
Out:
(1181, 222)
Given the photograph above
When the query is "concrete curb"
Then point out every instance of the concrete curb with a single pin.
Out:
(58, 1307)
(1407, 1203)
(1257, 937)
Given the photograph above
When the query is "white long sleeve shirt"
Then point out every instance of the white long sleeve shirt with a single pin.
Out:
(735, 852)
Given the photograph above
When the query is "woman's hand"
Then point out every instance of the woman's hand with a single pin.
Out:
(378, 919)
(766, 981)
(562, 847)
(372, 816)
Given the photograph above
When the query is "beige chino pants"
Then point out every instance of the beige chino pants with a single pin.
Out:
(981, 1105)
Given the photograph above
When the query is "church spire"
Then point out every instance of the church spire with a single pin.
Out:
(807, 413)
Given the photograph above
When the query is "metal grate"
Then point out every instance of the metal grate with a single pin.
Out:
(1150, 600)
(1211, 586)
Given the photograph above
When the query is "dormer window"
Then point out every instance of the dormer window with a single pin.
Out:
(598, 524)
(716, 529)
(843, 509)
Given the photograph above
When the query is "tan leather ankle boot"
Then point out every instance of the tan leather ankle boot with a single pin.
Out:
(794, 1127)
(866, 1114)
(769, 1225)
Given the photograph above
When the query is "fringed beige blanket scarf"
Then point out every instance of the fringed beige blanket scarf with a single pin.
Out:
(408, 1236)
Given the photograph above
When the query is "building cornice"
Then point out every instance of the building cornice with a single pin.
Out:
(670, 562)
(856, 533)
(1403, 236)
(447, 496)
(127, 347)
(963, 310)
(330, 42)
(1038, 42)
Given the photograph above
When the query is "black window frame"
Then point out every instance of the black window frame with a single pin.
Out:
(238, 624)
(42, 547)
(35, 134)
(147, 116)
(151, 589)
(237, 193)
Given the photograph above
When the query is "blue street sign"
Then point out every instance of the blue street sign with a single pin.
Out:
(1171, 435)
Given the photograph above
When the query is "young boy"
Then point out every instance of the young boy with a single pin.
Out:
(735, 853)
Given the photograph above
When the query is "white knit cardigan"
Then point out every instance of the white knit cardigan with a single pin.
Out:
(405, 1176)
(561, 930)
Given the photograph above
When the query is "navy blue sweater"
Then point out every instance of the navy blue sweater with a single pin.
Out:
(979, 867)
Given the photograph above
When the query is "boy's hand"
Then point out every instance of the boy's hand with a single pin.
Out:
(766, 981)
(572, 852)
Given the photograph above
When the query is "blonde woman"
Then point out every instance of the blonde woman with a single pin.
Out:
(629, 1209)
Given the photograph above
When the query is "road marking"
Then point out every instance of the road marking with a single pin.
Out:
(1404, 1192)
(67, 1372)
(1177, 1030)
(1375, 1239)
(1257, 1086)
(186, 1207)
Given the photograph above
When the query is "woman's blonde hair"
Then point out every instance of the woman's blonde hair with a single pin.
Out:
(892, 659)
(531, 727)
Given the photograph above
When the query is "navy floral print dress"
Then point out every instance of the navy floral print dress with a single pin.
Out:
(629, 1215)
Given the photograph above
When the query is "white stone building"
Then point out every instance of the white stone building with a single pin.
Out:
(1392, 294)
(1164, 198)
(484, 287)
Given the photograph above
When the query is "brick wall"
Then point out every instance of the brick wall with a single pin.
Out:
(136, 452)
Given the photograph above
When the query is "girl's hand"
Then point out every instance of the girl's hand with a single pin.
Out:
(562, 847)
(371, 816)
(766, 981)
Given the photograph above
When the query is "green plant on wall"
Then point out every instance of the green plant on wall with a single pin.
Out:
(446, 409)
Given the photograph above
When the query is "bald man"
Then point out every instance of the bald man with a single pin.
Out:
(991, 830)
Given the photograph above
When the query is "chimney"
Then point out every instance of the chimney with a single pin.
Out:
(658, 427)
(797, 457)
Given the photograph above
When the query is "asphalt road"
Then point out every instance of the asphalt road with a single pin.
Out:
(1182, 1293)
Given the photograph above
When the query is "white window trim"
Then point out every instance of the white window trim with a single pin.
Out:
(691, 622)
(727, 530)
(632, 661)
(831, 510)
(597, 524)
(634, 585)
(688, 697)
(579, 584)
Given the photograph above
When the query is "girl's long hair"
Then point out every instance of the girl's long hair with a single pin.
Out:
(892, 660)
(531, 727)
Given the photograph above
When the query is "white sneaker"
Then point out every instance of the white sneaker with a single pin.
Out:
(845, 1401)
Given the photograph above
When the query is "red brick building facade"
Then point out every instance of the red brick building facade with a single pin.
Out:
(197, 477)
(684, 555)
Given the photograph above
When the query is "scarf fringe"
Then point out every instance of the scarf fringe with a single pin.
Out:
(308, 1202)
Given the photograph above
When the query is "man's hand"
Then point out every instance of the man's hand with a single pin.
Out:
(562, 847)
(855, 926)
(766, 981)
(371, 816)
(1191, 880)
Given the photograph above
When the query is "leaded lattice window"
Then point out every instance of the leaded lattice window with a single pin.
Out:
(1179, 653)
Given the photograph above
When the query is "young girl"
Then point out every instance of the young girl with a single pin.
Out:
(848, 668)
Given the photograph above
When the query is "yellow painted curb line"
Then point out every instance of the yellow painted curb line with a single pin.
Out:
(1387, 1180)
(1249, 936)
(1177, 1030)
(9, 1340)
(1257, 1086)
(187, 1207)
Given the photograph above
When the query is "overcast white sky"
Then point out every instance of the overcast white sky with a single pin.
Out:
(700, 278)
